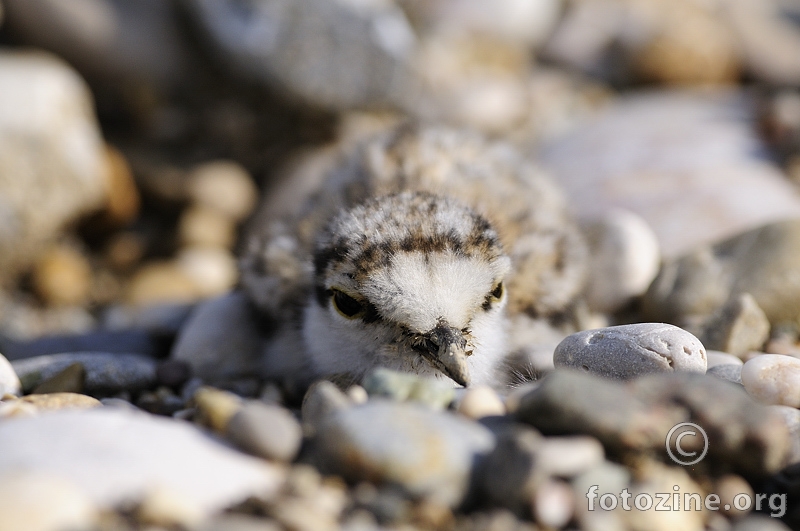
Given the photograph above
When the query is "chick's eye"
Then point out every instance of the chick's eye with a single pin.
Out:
(346, 305)
(497, 292)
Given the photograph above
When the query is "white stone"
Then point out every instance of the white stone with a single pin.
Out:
(553, 504)
(52, 160)
(115, 456)
(224, 186)
(212, 270)
(9, 382)
(481, 401)
(38, 501)
(628, 351)
(716, 357)
(773, 379)
(625, 259)
(569, 456)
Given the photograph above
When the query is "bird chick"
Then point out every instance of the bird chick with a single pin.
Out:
(410, 252)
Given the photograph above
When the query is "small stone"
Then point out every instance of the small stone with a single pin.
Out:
(401, 386)
(731, 488)
(106, 373)
(629, 351)
(322, 400)
(173, 373)
(125, 250)
(481, 401)
(162, 402)
(54, 401)
(624, 257)
(739, 327)
(122, 199)
(166, 507)
(212, 270)
(428, 453)
(760, 522)
(216, 408)
(553, 504)
(62, 277)
(773, 379)
(357, 394)
(509, 476)
(567, 457)
(224, 186)
(728, 372)
(69, 380)
(266, 431)
(9, 381)
(38, 501)
(221, 339)
(161, 282)
(609, 478)
(792, 418)
(653, 478)
(203, 226)
(716, 357)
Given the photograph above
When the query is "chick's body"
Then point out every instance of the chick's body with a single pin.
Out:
(410, 253)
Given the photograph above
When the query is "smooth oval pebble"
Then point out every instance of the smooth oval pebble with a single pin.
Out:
(266, 431)
(426, 452)
(481, 401)
(629, 351)
(773, 379)
(716, 357)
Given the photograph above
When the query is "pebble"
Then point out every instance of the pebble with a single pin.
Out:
(728, 487)
(105, 373)
(509, 475)
(161, 283)
(221, 339)
(760, 522)
(553, 504)
(9, 381)
(62, 277)
(322, 400)
(728, 372)
(401, 386)
(716, 357)
(792, 418)
(166, 507)
(173, 373)
(225, 187)
(624, 257)
(55, 401)
(610, 478)
(122, 194)
(628, 351)
(216, 408)
(69, 380)
(426, 452)
(213, 271)
(567, 457)
(773, 379)
(265, 430)
(114, 457)
(39, 501)
(739, 327)
(481, 401)
(203, 226)
(653, 478)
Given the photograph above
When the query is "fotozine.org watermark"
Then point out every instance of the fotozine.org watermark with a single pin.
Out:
(687, 444)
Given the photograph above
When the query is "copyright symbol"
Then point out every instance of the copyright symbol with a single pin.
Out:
(677, 434)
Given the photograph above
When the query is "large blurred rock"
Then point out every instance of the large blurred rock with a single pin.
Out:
(689, 163)
(332, 53)
(52, 161)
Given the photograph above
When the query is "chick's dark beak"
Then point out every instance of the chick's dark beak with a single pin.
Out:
(446, 351)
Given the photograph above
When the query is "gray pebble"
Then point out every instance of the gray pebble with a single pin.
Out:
(730, 373)
(265, 430)
(69, 380)
(759, 522)
(425, 452)
(320, 401)
(791, 416)
(509, 475)
(738, 327)
(105, 373)
(629, 351)
(9, 383)
(716, 357)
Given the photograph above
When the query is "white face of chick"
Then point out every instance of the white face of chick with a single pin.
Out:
(413, 282)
